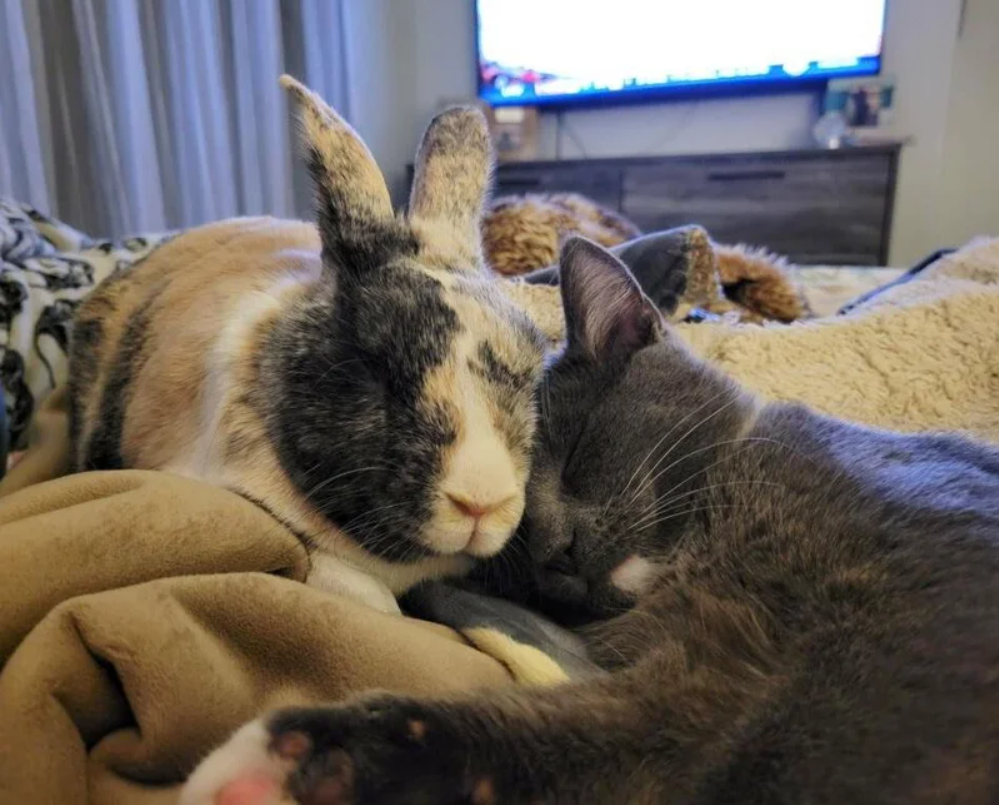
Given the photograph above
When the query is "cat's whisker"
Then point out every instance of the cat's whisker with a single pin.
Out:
(659, 505)
(732, 455)
(678, 442)
(703, 470)
(616, 497)
(662, 500)
(665, 436)
(684, 513)
(692, 453)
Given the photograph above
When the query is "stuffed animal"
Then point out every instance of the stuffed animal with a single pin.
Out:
(522, 234)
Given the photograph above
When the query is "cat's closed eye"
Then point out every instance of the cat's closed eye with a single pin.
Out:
(567, 448)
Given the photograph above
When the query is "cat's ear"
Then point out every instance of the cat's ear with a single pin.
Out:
(354, 209)
(450, 183)
(606, 313)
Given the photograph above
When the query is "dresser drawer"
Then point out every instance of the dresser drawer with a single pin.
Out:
(825, 209)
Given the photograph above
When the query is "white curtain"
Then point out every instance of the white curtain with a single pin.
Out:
(126, 116)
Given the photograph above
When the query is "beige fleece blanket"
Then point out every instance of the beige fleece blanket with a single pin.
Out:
(921, 356)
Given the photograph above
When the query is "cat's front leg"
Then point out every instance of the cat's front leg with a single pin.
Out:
(573, 744)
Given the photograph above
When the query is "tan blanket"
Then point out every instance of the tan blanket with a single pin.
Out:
(143, 616)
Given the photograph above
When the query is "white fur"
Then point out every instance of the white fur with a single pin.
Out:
(245, 754)
(633, 575)
(479, 474)
(201, 461)
(330, 574)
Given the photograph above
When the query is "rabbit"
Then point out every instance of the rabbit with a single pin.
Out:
(364, 381)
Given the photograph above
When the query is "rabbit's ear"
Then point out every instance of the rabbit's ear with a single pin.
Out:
(354, 209)
(450, 183)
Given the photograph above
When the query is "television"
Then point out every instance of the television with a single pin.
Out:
(570, 51)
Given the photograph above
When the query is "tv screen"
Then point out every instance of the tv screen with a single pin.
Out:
(562, 51)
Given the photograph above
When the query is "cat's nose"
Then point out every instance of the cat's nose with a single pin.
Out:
(562, 563)
(476, 508)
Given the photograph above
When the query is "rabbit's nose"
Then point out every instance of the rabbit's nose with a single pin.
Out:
(478, 508)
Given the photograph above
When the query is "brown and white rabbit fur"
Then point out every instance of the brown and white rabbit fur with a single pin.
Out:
(366, 383)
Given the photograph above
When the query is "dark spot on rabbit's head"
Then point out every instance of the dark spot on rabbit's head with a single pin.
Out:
(607, 487)
(394, 419)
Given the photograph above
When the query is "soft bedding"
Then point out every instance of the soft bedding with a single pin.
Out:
(144, 616)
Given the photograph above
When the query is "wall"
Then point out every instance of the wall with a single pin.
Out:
(431, 51)
(381, 54)
(920, 43)
(967, 199)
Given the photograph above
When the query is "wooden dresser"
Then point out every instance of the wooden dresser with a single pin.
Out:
(815, 206)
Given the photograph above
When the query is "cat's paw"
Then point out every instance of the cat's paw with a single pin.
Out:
(382, 749)
(246, 770)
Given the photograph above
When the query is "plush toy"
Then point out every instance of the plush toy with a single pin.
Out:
(522, 234)
(758, 283)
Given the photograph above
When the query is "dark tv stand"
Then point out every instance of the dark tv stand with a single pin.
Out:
(816, 206)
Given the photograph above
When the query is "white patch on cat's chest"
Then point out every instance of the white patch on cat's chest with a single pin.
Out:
(633, 575)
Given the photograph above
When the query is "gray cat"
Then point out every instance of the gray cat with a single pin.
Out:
(792, 609)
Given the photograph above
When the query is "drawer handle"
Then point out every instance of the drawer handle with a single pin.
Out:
(508, 184)
(746, 176)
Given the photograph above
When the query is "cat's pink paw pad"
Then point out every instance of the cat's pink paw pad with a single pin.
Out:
(246, 770)
(255, 789)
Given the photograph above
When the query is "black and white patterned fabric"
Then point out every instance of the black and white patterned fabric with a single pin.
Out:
(46, 269)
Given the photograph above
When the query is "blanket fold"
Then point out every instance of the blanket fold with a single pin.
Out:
(132, 686)
(144, 616)
(101, 531)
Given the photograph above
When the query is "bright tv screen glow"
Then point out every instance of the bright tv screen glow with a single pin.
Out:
(560, 51)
